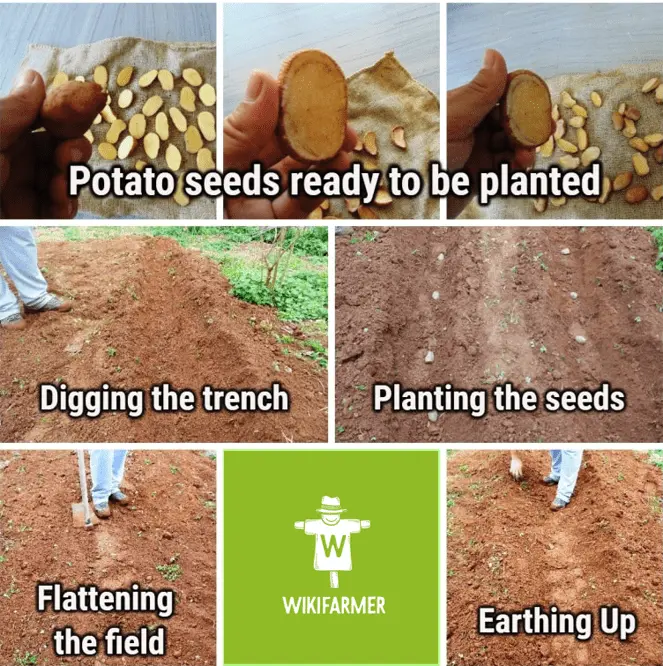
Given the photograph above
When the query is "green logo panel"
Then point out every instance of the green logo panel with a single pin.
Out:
(331, 557)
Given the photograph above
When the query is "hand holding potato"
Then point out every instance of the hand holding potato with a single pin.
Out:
(476, 140)
(250, 134)
(33, 164)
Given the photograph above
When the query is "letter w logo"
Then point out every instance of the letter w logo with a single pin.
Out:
(333, 544)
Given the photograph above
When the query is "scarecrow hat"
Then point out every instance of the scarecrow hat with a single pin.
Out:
(331, 505)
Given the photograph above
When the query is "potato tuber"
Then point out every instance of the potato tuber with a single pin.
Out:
(526, 109)
(314, 106)
(69, 110)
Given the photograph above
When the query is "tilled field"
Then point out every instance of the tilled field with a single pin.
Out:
(504, 313)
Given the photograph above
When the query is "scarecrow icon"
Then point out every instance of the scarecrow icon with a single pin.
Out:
(332, 538)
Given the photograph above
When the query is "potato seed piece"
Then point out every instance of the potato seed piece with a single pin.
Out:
(629, 130)
(124, 76)
(569, 162)
(187, 99)
(366, 213)
(161, 126)
(152, 105)
(178, 118)
(353, 204)
(207, 94)
(97, 119)
(526, 109)
(590, 155)
(541, 204)
(639, 144)
(359, 146)
(640, 164)
(125, 98)
(315, 214)
(579, 110)
(636, 194)
(632, 113)
(567, 100)
(658, 155)
(108, 115)
(173, 157)
(577, 122)
(596, 99)
(180, 197)
(80, 78)
(558, 202)
(606, 188)
(548, 147)
(192, 139)
(140, 165)
(89, 136)
(382, 198)
(566, 146)
(107, 151)
(151, 143)
(206, 124)
(583, 140)
(166, 79)
(398, 137)
(204, 160)
(117, 127)
(659, 94)
(654, 140)
(147, 78)
(617, 121)
(192, 77)
(59, 79)
(126, 147)
(651, 85)
(371, 143)
(622, 180)
(657, 193)
(555, 112)
(101, 76)
(137, 126)
(560, 129)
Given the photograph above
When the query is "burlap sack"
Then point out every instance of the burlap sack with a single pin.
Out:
(623, 85)
(144, 55)
(384, 96)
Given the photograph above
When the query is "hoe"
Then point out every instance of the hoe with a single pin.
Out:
(83, 515)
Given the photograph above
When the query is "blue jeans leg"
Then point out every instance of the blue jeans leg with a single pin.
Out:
(107, 468)
(570, 462)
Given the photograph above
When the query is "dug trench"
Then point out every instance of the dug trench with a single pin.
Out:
(507, 549)
(499, 305)
(147, 311)
(170, 523)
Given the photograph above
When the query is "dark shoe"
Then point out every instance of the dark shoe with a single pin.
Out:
(558, 504)
(102, 510)
(119, 498)
(53, 304)
(550, 481)
(13, 323)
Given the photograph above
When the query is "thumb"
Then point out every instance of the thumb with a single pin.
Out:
(251, 126)
(470, 104)
(19, 110)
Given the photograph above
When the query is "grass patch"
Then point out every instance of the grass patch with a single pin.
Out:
(171, 571)
(657, 233)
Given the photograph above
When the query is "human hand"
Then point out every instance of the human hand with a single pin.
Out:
(475, 138)
(249, 134)
(33, 164)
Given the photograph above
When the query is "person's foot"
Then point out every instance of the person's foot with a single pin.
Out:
(119, 498)
(550, 480)
(53, 304)
(13, 322)
(102, 510)
(558, 504)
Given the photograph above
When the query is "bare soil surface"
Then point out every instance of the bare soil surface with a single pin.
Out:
(504, 314)
(506, 548)
(172, 514)
(148, 311)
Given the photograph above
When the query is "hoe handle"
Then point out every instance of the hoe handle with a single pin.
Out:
(84, 497)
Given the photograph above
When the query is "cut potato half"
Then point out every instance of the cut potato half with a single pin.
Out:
(314, 106)
(526, 109)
